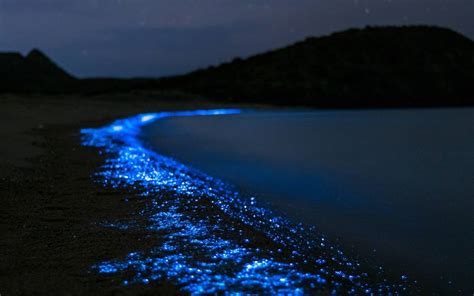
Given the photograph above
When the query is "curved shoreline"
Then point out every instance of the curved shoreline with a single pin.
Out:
(212, 239)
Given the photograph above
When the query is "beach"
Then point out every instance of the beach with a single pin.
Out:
(86, 209)
(50, 207)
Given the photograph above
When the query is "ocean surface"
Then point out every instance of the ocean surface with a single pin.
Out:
(395, 187)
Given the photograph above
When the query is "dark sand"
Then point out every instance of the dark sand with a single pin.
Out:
(50, 207)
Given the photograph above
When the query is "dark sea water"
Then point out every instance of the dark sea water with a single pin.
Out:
(394, 186)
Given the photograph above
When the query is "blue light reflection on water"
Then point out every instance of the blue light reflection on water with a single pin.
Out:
(215, 239)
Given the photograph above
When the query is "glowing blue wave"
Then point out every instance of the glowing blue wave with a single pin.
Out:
(210, 238)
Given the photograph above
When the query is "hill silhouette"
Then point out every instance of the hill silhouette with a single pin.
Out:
(370, 67)
(375, 66)
(34, 72)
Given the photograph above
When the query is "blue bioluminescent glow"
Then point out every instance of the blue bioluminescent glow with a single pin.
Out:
(212, 239)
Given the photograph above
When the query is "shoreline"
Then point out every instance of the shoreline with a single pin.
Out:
(53, 214)
(383, 225)
(50, 206)
(240, 247)
(51, 235)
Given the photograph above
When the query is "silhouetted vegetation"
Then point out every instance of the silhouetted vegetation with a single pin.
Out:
(382, 66)
(371, 67)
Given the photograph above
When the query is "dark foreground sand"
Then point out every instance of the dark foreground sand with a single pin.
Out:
(49, 206)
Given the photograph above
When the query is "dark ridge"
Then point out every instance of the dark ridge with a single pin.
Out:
(36, 54)
(44, 65)
(33, 73)
(412, 66)
(371, 67)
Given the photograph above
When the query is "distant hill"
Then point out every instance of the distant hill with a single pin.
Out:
(34, 72)
(375, 66)
(370, 67)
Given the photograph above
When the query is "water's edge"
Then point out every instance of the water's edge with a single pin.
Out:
(212, 238)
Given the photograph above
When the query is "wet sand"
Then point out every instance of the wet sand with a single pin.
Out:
(378, 180)
(52, 211)
(212, 239)
(50, 207)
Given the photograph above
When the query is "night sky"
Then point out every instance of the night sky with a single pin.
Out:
(162, 37)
